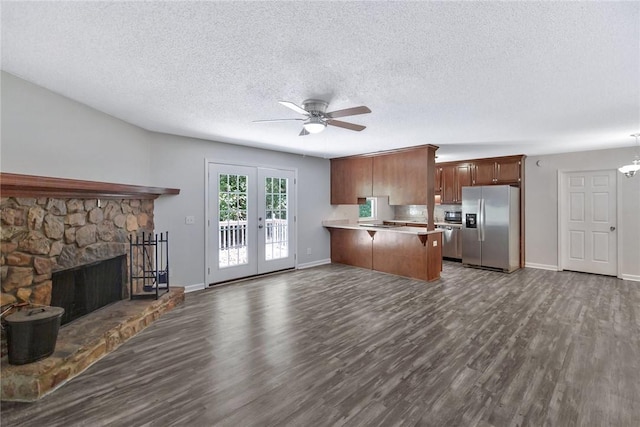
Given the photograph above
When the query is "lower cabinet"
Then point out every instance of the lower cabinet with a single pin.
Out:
(408, 255)
(351, 247)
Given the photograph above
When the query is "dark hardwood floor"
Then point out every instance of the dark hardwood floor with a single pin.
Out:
(337, 345)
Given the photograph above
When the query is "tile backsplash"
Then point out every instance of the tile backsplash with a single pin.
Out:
(411, 212)
(419, 212)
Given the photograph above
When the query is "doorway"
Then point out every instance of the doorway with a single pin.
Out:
(251, 224)
(587, 220)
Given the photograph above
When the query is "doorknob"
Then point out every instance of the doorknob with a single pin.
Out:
(261, 226)
(612, 228)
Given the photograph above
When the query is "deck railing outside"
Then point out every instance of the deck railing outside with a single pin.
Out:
(233, 240)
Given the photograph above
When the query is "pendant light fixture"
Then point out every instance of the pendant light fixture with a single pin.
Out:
(633, 168)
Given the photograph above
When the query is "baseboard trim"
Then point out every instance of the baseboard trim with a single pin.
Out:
(541, 266)
(194, 287)
(630, 277)
(314, 263)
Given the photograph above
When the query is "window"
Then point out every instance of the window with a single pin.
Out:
(368, 209)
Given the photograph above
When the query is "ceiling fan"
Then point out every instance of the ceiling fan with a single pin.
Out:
(316, 117)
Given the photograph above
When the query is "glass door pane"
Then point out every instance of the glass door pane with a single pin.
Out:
(276, 228)
(232, 219)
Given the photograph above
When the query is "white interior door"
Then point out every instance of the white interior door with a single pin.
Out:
(589, 241)
(251, 221)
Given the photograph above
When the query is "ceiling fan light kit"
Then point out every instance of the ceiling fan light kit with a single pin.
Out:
(631, 170)
(317, 118)
(314, 125)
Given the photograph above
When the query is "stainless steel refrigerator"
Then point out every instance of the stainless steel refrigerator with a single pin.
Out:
(491, 227)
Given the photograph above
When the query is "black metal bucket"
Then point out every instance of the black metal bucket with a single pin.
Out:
(32, 334)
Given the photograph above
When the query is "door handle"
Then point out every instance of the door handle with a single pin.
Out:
(612, 228)
(479, 220)
(261, 226)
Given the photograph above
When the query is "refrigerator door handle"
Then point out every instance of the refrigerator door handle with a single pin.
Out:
(479, 224)
(482, 215)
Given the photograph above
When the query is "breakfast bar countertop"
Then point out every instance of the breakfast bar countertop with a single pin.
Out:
(346, 224)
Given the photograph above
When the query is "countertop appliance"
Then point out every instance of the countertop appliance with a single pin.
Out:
(451, 234)
(491, 227)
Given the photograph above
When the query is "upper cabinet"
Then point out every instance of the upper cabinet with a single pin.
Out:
(405, 176)
(500, 170)
(453, 178)
(351, 179)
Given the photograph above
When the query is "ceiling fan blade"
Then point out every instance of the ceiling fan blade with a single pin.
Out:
(350, 126)
(294, 107)
(349, 112)
(276, 120)
(304, 132)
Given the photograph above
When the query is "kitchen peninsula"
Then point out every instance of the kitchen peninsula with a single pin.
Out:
(414, 252)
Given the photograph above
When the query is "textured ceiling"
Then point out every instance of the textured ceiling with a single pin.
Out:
(476, 79)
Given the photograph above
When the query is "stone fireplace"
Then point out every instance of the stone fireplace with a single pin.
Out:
(56, 230)
(43, 235)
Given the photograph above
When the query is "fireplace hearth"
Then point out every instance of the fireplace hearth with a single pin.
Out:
(68, 231)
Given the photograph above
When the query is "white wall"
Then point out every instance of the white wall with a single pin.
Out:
(541, 204)
(180, 162)
(46, 134)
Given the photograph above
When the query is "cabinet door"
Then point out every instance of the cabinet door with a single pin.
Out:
(508, 172)
(463, 179)
(449, 189)
(351, 178)
(402, 176)
(483, 173)
(438, 183)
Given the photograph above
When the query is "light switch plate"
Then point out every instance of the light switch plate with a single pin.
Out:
(435, 243)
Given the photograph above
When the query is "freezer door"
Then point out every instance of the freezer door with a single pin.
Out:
(495, 226)
(471, 244)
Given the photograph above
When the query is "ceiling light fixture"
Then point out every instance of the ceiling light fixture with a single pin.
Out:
(314, 125)
(634, 167)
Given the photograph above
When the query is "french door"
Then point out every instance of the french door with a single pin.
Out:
(251, 221)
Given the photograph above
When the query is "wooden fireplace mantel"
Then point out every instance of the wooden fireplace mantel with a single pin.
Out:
(17, 185)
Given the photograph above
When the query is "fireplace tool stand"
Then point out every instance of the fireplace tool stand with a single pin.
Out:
(148, 265)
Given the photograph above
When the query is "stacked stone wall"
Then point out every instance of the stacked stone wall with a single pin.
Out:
(42, 235)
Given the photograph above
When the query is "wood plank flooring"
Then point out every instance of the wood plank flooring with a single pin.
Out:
(338, 345)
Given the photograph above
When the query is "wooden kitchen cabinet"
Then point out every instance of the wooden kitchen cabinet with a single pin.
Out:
(509, 171)
(352, 247)
(351, 179)
(438, 182)
(484, 173)
(501, 170)
(405, 254)
(403, 176)
(453, 178)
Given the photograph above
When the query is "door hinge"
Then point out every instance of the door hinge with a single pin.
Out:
(295, 218)
(208, 270)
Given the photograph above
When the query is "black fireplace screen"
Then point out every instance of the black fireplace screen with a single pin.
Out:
(83, 289)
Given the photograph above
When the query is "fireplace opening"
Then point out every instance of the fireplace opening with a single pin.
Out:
(81, 290)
